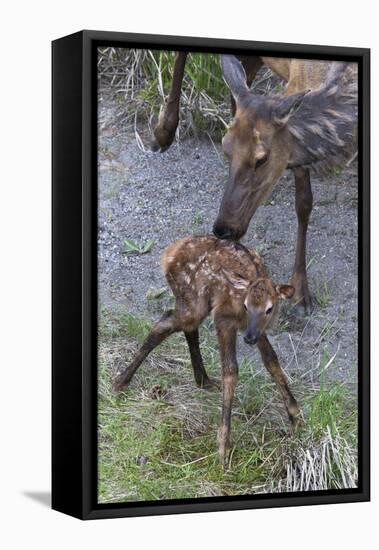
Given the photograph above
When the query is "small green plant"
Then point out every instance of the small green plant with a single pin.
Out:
(132, 247)
(197, 218)
(155, 293)
(323, 295)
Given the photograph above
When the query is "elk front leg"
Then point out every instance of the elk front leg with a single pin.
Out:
(270, 360)
(201, 376)
(303, 204)
(164, 132)
(164, 327)
(229, 368)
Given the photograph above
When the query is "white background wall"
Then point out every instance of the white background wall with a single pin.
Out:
(27, 29)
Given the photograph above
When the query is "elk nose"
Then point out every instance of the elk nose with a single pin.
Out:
(224, 232)
(251, 340)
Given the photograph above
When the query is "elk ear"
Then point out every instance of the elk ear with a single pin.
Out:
(235, 76)
(236, 280)
(285, 291)
(287, 107)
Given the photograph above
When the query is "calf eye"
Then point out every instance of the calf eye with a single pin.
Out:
(268, 311)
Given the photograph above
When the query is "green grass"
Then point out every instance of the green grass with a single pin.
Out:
(157, 440)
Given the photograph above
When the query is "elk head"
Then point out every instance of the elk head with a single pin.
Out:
(258, 147)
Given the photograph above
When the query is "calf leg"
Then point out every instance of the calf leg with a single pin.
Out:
(270, 360)
(229, 367)
(168, 324)
(303, 204)
(164, 132)
(201, 377)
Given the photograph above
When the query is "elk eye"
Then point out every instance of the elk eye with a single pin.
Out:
(261, 162)
(269, 310)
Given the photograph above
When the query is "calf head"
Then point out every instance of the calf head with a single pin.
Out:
(260, 303)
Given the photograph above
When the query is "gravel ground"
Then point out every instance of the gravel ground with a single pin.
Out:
(145, 195)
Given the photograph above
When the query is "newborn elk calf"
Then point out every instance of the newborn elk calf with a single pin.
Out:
(222, 278)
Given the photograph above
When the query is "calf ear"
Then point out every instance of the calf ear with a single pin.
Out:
(236, 280)
(235, 76)
(285, 291)
(287, 107)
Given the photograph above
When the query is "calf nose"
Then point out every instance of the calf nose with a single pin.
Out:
(251, 340)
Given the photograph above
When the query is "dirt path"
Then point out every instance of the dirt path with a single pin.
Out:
(163, 197)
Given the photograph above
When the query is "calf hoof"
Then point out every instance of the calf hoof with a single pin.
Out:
(117, 387)
(120, 384)
(297, 423)
(224, 457)
(224, 448)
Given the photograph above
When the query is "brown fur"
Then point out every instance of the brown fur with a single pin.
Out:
(269, 135)
(230, 282)
(311, 125)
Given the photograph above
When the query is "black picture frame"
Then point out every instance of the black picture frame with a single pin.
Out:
(74, 272)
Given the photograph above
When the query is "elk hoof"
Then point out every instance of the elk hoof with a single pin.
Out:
(162, 140)
(302, 306)
(157, 148)
(302, 300)
(154, 146)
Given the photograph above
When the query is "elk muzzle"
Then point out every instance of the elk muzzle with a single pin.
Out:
(225, 231)
(250, 340)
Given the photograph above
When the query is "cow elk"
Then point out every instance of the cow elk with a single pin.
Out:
(311, 125)
(229, 281)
